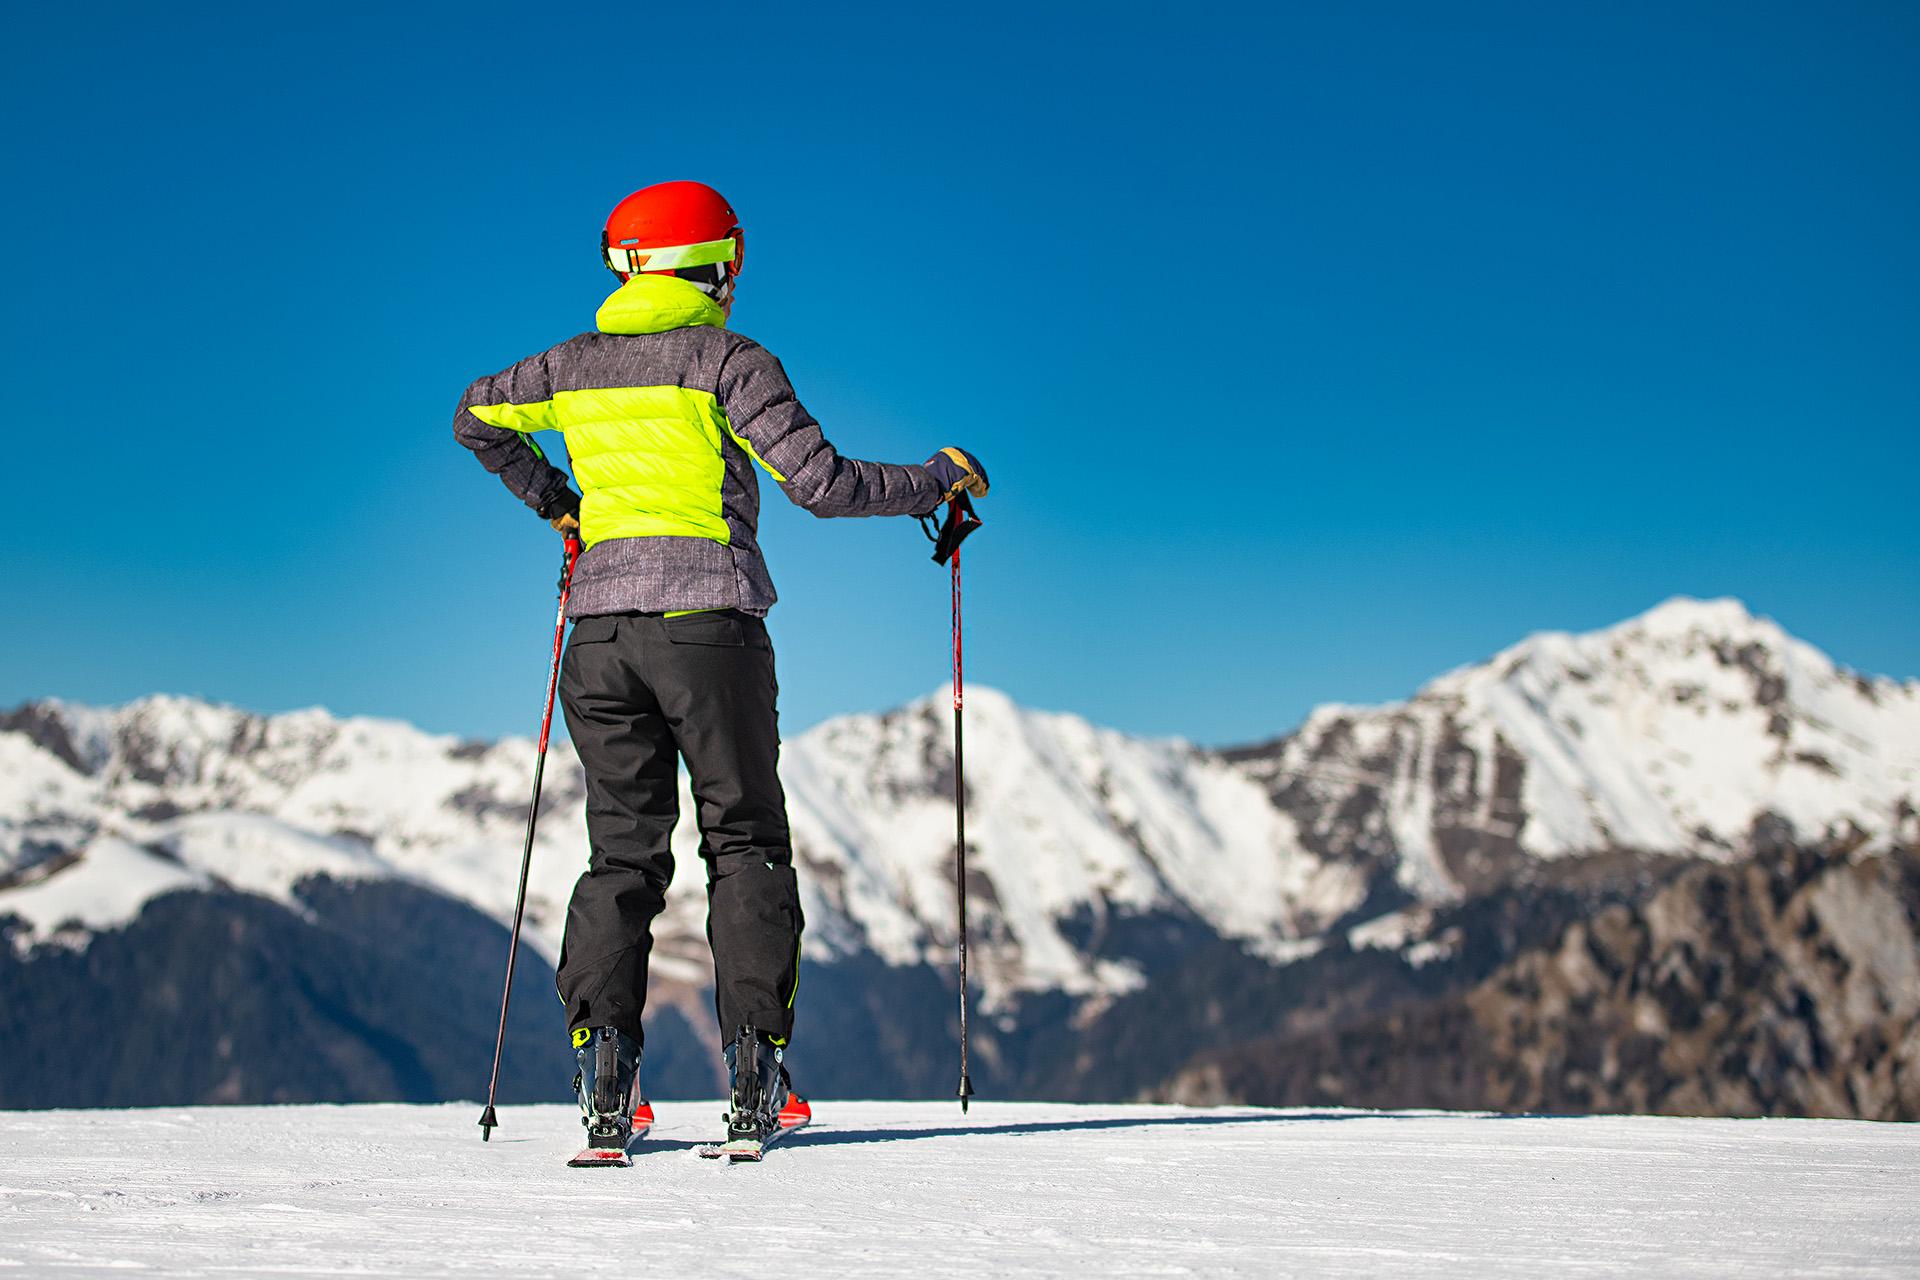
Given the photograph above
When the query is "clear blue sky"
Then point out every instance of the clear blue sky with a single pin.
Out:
(1313, 349)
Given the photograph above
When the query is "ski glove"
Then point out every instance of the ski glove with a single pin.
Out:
(562, 511)
(955, 470)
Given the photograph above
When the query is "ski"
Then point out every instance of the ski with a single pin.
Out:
(746, 1150)
(794, 1116)
(621, 1157)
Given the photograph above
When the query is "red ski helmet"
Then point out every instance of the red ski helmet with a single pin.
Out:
(670, 225)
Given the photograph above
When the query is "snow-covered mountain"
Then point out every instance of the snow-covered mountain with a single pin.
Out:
(1098, 858)
(104, 809)
(1673, 732)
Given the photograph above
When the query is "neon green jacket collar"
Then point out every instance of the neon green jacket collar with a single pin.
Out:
(655, 304)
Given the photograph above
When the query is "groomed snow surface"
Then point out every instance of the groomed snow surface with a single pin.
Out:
(913, 1189)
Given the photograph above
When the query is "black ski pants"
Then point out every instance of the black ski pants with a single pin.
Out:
(640, 691)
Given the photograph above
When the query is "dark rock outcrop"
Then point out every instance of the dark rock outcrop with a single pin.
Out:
(1787, 985)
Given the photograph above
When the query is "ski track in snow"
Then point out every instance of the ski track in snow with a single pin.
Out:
(1017, 1189)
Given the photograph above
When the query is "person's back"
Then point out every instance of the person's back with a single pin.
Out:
(665, 412)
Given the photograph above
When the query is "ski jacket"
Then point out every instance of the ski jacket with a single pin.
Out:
(664, 412)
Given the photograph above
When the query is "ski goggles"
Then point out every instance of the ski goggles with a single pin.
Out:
(633, 261)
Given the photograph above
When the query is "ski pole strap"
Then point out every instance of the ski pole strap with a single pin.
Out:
(960, 521)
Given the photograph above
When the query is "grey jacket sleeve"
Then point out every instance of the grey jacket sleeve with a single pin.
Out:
(760, 404)
(522, 396)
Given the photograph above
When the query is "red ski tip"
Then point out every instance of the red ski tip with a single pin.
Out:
(601, 1157)
(795, 1113)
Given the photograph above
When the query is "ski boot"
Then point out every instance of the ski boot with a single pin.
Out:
(611, 1105)
(764, 1105)
(759, 1086)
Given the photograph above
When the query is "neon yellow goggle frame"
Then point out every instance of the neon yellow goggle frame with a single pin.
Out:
(669, 258)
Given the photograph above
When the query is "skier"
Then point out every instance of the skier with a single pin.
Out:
(664, 412)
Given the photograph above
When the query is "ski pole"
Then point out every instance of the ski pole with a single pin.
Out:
(488, 1120)
(960, 522)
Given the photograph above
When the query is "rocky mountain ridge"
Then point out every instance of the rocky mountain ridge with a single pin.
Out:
(1108, 869)
(1786, 984)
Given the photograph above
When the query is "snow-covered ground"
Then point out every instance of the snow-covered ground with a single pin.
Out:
(890, 1189)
